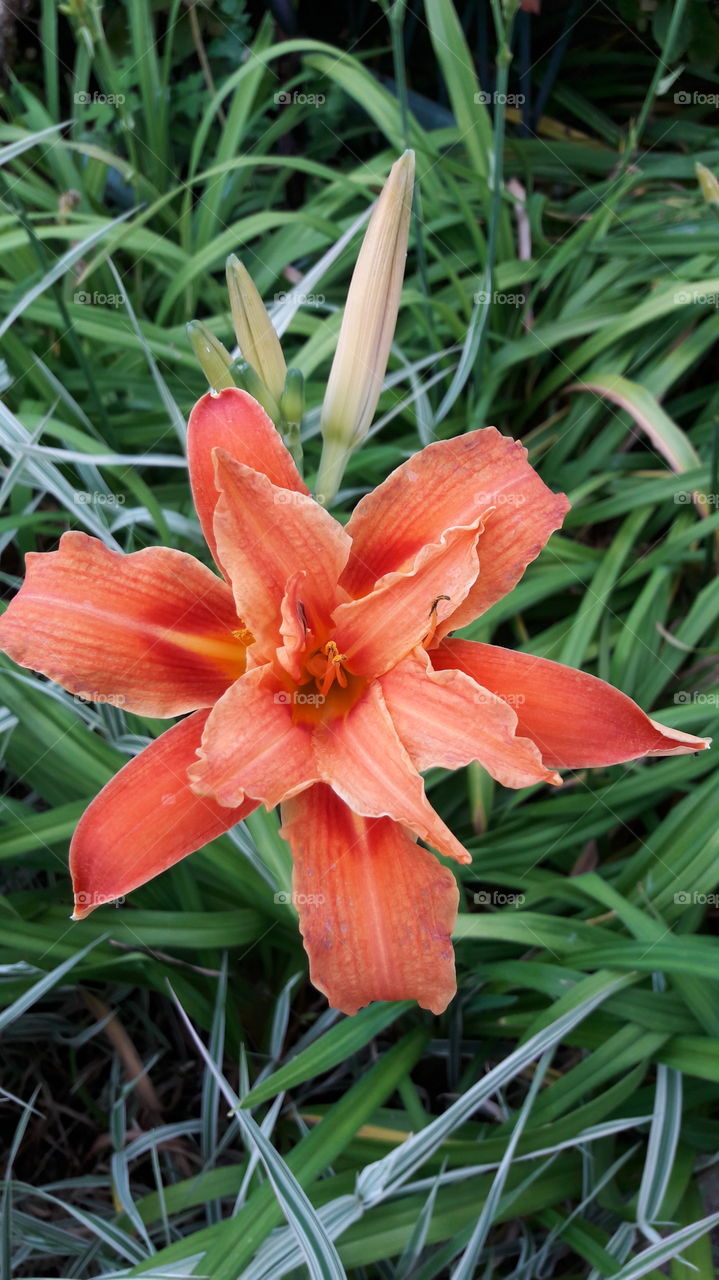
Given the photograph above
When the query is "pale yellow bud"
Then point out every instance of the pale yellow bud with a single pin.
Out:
(708, 182)
(368, 326)
(255, 333)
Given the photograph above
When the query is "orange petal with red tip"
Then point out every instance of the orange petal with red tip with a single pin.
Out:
(252, 747)
(363, 760)
(235, 422)
(145, 820)
(404, 608)
(265, 536)
(155, 631)
(446, 719)
(376, 910)
(576, 720)
(451, 483)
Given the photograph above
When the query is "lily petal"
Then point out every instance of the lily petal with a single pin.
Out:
(446, 719)
(293, 628)
(264, 540)
(145, 820)
(235, 422)
(376, 910)
(447, 484)
(576, 720)
(365, 763)
(403, 609)
(250, 746)
(155, 631)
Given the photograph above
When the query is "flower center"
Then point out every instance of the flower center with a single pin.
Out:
(326, 666)
(324, 689)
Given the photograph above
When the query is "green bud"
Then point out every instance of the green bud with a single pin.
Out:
(292, 400)
(708, 183)
(214, 358)
(250, 381)
(255, 332)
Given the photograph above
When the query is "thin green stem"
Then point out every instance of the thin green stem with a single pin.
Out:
(661, 70)
(473, 358)
(293, 439)
(395, 14)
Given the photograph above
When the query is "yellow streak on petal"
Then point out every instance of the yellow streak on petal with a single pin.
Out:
(230, 653)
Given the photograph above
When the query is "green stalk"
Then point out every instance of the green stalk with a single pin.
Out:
(660, 71)
(473, 359)
(395, 14)
(504, 59)
(91, 37)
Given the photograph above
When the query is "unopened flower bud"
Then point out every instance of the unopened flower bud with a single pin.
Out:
(368, 326)
(250, 381)
(708, 182)
(292, 407)
(214, 358)
(255, 332)
(292, 401)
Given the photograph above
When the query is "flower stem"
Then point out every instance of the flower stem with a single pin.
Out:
(329, 477)
(395, 14)
(473, 357)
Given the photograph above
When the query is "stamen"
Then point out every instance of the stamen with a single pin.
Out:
(333, 670)
(434, 621)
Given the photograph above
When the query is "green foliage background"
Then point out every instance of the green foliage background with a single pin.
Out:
(564, 1107)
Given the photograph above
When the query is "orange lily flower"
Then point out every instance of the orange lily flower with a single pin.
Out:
(320, 676)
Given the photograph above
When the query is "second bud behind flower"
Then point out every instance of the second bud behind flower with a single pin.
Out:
(368, 326)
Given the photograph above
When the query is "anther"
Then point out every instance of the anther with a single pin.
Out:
(434, 620)
(334, 669)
